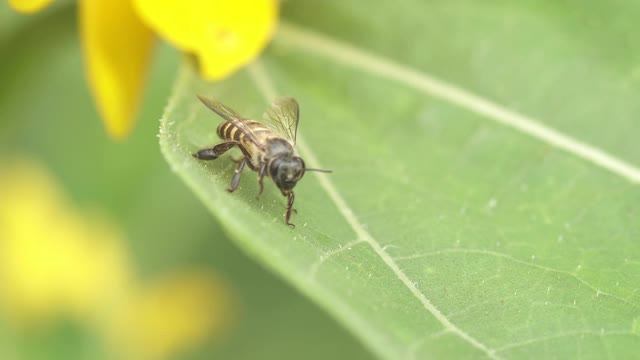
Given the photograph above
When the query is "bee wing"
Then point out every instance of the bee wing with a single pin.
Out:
(283, 116)
(231, 116)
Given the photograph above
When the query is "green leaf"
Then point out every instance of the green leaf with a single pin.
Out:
(485, 199)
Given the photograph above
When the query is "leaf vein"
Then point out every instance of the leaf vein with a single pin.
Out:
(313, 270)
(267, 89)
(362, 60)
(565, 334)
(516, 260)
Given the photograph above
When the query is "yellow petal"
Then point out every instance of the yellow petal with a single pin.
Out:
(224, 34)
(54, 259)
(177, 312)
(117, 50)
(29, 6)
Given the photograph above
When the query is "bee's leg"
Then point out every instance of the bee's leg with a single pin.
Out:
(215, 152)
(261, 173)
(236, 177)
(290, 198)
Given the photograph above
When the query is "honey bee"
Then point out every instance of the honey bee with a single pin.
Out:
(267, 148)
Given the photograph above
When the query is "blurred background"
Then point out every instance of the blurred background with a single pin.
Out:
(104, 253)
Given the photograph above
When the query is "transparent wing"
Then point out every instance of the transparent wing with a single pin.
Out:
(282, 117)
(231, 116)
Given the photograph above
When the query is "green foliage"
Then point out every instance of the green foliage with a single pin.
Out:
(492, 213)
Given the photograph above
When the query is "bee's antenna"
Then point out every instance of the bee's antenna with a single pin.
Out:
(318, 170)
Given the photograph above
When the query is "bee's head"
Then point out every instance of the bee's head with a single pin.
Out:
(286, 171)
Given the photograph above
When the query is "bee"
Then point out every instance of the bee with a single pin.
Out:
(268, 148)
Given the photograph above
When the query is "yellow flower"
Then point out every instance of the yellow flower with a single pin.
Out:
(169, 316)
(29, 6)
(52, 260)
(56, 261)
(118, 35)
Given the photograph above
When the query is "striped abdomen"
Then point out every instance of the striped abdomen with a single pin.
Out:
(229, 132)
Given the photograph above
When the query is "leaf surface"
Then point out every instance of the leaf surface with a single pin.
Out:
(485, 198)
